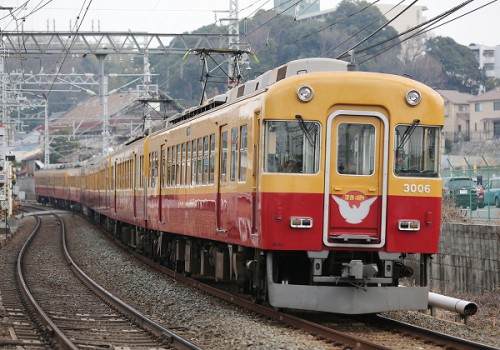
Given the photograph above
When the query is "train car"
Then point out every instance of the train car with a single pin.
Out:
(308, 187)
(59, 186)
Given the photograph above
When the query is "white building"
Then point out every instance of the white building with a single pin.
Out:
(488, 58)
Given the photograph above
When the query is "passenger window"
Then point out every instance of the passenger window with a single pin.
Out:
(234, 154)
(212, 159)
(205, 159)
(193, 164)
(200, 158)
(223, 157)
(188, 164)
(243, 153)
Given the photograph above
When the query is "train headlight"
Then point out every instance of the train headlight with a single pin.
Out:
(413, 97)
(305, 93)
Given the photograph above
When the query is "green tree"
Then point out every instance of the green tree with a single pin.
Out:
(491, 83)
(459, 65)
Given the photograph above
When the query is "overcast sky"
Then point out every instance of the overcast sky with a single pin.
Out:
(169, 16)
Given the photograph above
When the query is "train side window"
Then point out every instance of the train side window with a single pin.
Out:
(169, 165)
(188, 163)
(234, 154)
(193, 164)
(223, 157)
(140, 174)
(292, 147)
(163, 167)
(178, 166)
(153, 169)
(355, 149)
(243, 152)
(200, 159)
(205, 159)
(212, 159)
(183, 166)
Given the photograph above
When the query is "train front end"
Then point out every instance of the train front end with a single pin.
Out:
(349, 190)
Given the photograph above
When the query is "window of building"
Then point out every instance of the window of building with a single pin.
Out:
(478, 106)
(496, 106)
(488, 53)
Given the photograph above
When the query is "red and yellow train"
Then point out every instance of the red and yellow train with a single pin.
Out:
(308, 187)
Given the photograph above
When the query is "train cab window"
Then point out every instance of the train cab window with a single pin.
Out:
(223, 157)
(243, 152)
(416, 151)
(356, 149)
(292, 147)
(234, 154)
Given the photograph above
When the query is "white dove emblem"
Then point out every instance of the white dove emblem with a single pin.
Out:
(354, 215)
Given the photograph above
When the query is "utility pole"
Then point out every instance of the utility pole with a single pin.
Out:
(99, 44)
(233, 40)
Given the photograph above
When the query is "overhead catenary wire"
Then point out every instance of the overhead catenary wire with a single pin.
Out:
(376, 31)
(419, 30)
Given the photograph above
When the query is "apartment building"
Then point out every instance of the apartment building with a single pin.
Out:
(456, 115)
(485, 116)
(488, 58)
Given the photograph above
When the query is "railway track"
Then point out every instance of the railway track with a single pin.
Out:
(18, 327)
(355, 333)
(73, 315)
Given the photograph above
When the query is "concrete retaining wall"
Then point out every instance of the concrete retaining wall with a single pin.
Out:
(468, 259)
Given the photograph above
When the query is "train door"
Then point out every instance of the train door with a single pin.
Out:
(222, 180)
(115, 180)
(161, 176)
(135, 174)
(355, 179)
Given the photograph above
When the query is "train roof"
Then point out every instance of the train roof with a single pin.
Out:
(292, 68)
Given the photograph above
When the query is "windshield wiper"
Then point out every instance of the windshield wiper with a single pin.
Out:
(408, 132)
(303, 126)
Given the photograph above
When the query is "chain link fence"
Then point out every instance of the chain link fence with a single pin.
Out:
(472, 184)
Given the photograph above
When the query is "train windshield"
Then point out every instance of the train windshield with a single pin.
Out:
(416, 151)
(292, 147)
